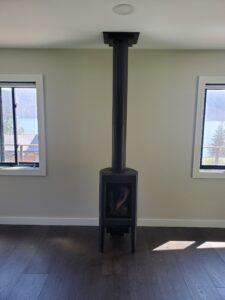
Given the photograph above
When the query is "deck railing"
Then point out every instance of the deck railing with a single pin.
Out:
(24, 154)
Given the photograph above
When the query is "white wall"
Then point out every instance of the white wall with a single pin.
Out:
(161, 109)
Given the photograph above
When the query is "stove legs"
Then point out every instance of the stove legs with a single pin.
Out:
(133, 238)
(101, 238)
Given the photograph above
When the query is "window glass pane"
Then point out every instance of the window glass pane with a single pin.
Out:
(27, 125)
(7, 143)
(213, 148)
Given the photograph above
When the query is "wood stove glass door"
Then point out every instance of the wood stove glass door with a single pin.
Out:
(118, 200)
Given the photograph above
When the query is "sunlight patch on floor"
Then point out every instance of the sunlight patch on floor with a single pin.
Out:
(174, 245)
(208, 245)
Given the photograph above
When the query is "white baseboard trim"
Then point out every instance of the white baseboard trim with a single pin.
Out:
(48, 221)
(94, 222)
(182, 223)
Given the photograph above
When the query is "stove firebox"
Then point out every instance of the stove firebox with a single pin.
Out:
(118, 184)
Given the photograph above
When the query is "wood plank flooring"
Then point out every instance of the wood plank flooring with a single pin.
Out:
(63, 263)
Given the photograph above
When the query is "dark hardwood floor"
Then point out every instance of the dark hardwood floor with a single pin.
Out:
(63, 263)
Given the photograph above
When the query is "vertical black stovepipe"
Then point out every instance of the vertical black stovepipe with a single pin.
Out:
(120, 41)
(119, 114)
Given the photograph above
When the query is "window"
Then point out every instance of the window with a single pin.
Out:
(22, 137)
(209, 149)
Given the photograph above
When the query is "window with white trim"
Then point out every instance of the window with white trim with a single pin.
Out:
(22, 136)
(209, 148)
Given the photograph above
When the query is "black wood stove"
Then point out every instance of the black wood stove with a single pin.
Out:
(118, 184)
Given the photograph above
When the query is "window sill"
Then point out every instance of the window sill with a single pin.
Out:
(22, 171)
(213, 174)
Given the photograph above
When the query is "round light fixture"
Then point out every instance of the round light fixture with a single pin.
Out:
(123, 9)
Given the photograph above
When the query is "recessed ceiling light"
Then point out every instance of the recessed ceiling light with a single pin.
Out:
(123, 9)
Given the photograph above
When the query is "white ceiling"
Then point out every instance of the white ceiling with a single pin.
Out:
(163, 24)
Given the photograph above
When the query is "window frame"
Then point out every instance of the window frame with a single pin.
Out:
(198, 171)
(40, 170)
